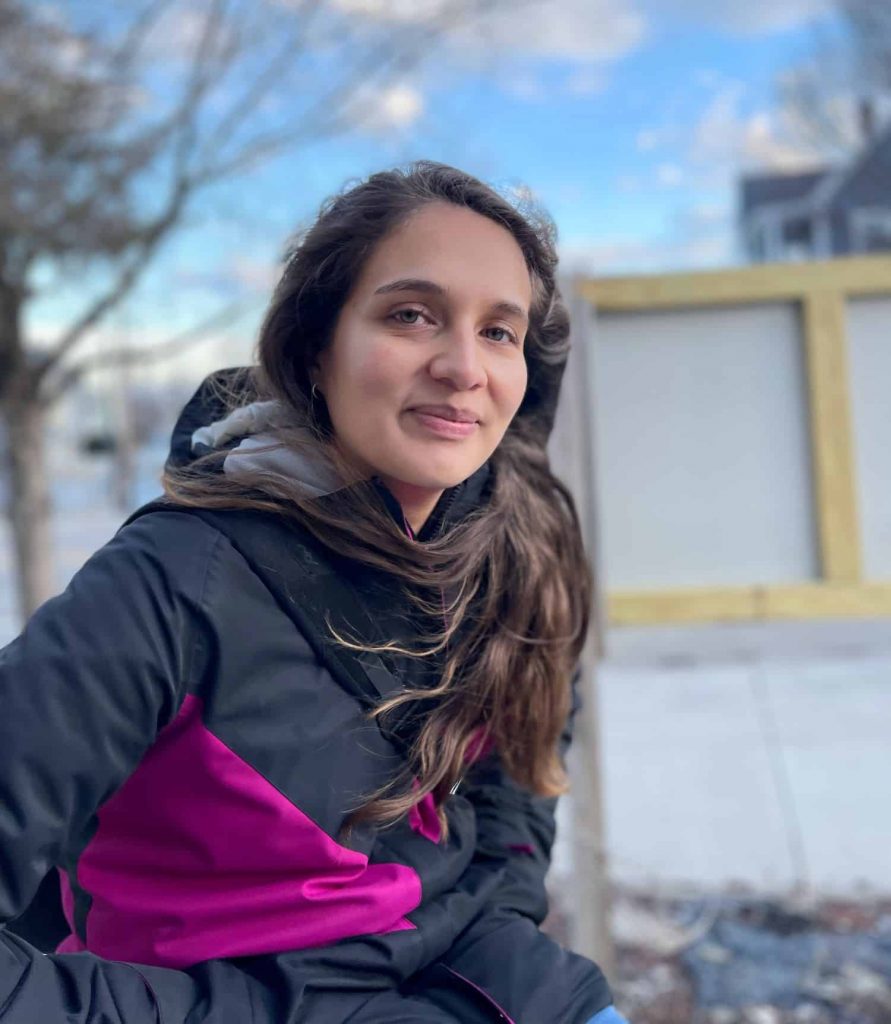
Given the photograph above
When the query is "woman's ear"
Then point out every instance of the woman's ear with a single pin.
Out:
(317, 372)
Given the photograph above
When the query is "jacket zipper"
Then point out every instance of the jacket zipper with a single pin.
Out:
(502, 1013)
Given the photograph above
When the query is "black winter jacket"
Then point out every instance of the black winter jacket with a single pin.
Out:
(179, 739)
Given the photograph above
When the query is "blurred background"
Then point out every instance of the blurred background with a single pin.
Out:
(720, 175)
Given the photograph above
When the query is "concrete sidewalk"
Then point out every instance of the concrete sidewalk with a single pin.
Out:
(757, 754)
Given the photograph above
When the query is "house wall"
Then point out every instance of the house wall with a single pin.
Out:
(840, 231)
(870, 183)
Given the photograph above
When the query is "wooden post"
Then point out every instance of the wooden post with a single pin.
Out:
(573, 460)
(832, 443)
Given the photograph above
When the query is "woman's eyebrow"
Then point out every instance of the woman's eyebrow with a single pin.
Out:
(510, 309)
(411, 284)
(419, 284)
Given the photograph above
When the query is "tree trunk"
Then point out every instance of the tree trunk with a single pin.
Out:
(28, 502)
(123, 482)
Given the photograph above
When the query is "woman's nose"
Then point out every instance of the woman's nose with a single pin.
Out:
(459, 360)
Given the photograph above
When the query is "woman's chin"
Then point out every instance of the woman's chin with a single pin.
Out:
(427, 479)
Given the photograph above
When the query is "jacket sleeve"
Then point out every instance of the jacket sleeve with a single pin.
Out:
(532, 978)
(83, 691)
(86, 687)
(79, 988)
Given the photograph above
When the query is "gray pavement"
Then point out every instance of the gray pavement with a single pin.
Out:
(757, 754)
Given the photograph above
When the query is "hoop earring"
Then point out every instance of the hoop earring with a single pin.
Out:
(314, 393)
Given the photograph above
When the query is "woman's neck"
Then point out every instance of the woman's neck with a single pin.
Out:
(416, 502)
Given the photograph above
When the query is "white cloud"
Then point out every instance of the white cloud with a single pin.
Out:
(820, 104)
(763, 145)
(725, 140)
(670, 175)
(648, 139)
(255, 276)
(394, 106)
(704, 158)
(586, 81)
(516, 40)
(708, 78)
(705, 214)
(524, 85)
(177, 33)
(671, 252)
(755, 17)
(400, 104)
(582, 30)
(701, 235)
(392, 10)
(510, 40)
(716, 134)
(629, 183)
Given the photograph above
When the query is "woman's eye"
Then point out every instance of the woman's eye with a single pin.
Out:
(408, 316)
(505, 334)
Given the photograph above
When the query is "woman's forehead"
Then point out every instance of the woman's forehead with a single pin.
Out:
(454, 250)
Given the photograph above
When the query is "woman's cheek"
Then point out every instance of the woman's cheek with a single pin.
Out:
(518, 384)
(385, 370)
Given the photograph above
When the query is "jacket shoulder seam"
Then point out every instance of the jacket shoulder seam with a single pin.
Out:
(202, 598)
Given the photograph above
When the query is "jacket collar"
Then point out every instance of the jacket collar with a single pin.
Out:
(248, 435)
(454, 504)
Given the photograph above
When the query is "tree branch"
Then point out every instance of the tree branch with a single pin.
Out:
(200, 79)
(145, 356)
(253, 96)
(326, 117)
(152, 238)
(178, 136)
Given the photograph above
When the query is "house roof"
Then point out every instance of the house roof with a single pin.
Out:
(828, 190)
(809, 191)
(763, 189)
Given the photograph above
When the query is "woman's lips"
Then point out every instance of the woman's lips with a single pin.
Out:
(442, 427)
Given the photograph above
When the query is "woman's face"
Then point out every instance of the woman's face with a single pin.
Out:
(425, 369)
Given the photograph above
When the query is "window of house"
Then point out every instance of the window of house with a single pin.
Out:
(797, 239)
(871, 229)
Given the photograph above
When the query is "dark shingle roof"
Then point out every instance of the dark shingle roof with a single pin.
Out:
(760, 189)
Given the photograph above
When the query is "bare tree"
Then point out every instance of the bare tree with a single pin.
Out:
(869, 22)
(841, 94)
(112, 119)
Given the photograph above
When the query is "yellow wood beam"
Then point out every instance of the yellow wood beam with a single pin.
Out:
(832, 448)
(828, 600)
(694, 604)
(859, 275)
(742, 604)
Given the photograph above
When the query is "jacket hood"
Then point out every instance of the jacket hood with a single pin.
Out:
(248, 433)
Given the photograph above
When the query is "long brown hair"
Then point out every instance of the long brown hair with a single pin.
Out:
(516, 566)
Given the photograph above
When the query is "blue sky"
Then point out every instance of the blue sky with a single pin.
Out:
(629, 120)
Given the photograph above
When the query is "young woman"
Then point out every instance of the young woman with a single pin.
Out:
(293, 738)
